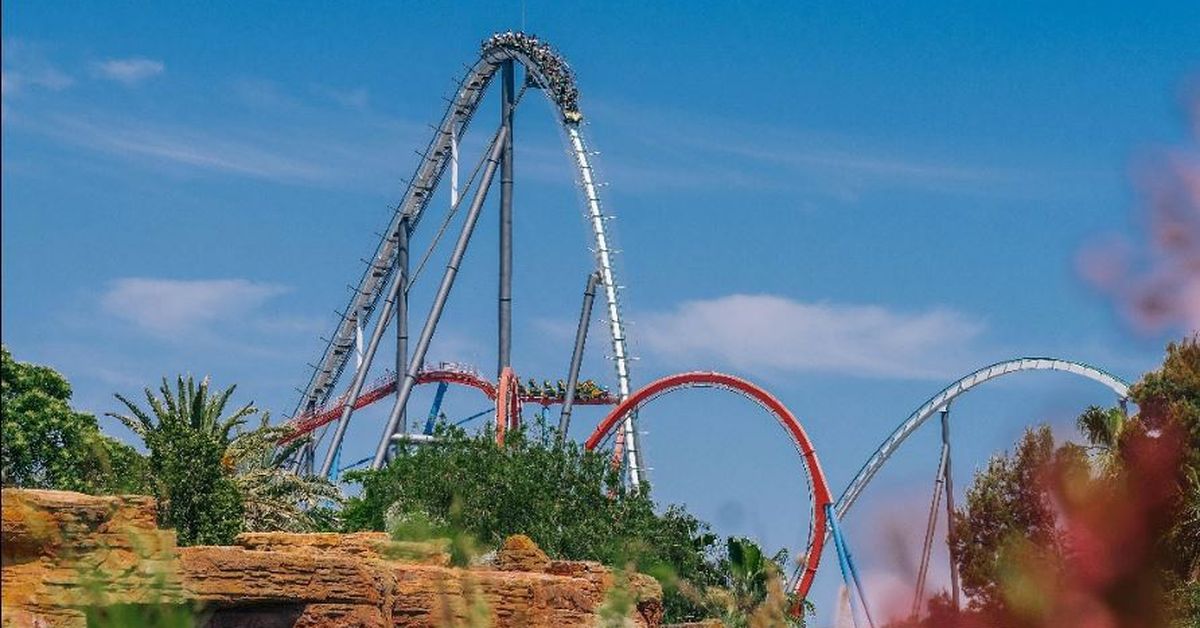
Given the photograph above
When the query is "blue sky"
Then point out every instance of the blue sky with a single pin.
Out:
(852, 205)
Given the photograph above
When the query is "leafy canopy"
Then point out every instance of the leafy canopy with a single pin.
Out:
(568, 500)
(1038, 526)
(47, 444)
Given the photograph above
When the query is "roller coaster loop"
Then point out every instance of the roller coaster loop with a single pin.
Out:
(819, 496)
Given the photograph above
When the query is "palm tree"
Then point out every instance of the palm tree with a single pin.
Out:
(755, 595)
(272, 498)
(189, 406)
(275, 498)
(1103, 428)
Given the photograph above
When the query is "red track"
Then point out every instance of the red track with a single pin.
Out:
(386, 385)
(819, 496)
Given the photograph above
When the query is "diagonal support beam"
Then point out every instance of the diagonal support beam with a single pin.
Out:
(439, 302)
(585, 319)
(927, 546)
(399, 285)
(955, 586)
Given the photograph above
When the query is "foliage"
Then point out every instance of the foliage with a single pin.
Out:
(273, 497)
(419, 526)
(569, 501)
(1007, 511)
(752, 592)
(47, 444)
(1169, 401)
(188, 438)
(1050, 534)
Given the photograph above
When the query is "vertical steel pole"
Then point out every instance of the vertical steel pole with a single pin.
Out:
(949, 476)
(405, 386)
(504, 312)
(585, 319)
(402, 233)
(360, 374)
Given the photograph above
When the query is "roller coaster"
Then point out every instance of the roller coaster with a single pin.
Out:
(387, 278)
(382, 294)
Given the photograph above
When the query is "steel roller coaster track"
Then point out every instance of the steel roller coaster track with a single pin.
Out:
(818, 488)
(948, 394)
(544, 69)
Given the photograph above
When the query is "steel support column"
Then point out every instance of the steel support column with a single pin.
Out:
(585, 319)
(949, 478)
(402, 233)
(405, 386)
(504, 309)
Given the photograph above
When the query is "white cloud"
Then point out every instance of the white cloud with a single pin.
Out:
(164, 307)
(775, 334)
(129, 71)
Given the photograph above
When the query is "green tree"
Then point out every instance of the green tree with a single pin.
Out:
(1008, 511)
(188, 437)
(569, 501)
(1169, 400)
(1038, 526)
(47, 444)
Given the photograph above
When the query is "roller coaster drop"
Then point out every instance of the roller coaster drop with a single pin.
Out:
(546, 70)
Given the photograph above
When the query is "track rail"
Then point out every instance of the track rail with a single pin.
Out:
(546, 69)
(951, 392)
(819, 496)
(386, 385)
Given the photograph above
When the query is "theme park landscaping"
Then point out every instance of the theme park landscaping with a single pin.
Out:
(1110, 523)
(221, 516)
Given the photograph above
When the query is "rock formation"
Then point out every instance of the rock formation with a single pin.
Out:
(66, 555)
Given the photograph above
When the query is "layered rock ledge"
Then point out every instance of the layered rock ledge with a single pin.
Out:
(68, 554)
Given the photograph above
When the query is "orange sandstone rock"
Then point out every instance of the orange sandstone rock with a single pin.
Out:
(64, 553)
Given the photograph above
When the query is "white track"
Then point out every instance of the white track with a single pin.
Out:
(948, 394)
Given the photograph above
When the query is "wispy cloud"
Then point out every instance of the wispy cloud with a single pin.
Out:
(681, 150)
(168, 307)
(26, 67)
(773, 334)
(358, 98)
(129, 71)
(261, 131)
(185, 146)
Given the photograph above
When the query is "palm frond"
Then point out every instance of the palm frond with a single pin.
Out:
(167, 400)
(142, 425)
(217, 403)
